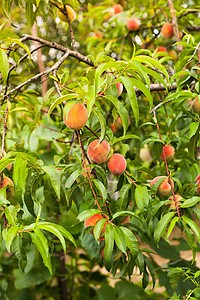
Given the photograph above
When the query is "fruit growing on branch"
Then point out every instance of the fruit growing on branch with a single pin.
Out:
(167, 30)
(119, 86)
(117, 8)
(164, 187)
(168, 153)
(71, 13)
(133, 24)
(92, 221)
(76, 117)
(117, 164)
(98, 152)
(8, 183)
(175, 202)
(196, 105)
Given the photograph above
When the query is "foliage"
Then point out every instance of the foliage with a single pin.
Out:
(46, 66)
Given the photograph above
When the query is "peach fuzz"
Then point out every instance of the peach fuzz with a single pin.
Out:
(117, 164)
(133, 24)
(119, 86)
(196, 105)
(71, 14)
(98, 153)
(77, 116)
(169, 152)
(167, 30)
(117, 8)
(173, 202)
(92, 221)
(165, 187)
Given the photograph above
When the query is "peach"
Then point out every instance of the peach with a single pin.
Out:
(173, 54)
(119, 86)
(161, 49)
(198, 186)
(98, 153)
(126, 220)
(77, 116)
(92, 221)
(70, 11)
(145, 154)
(169, 152)
(167, 30)
(197, 178)
(165, 187)
(117, 164)
(116, 125)
(87, 170)
(173, 202)
(196, 105)
(117, 8)
(98, 34)
(8, 183)
(133, 24)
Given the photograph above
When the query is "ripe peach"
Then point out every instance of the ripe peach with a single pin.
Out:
(70, 11)
(119, 86)
(197, 178)
(92, 221)
(98, 153)
(116, 125)
(172, 201)
(133, 24)
(77, 116)
(161, 49)
(126, 220)
(196, 105)
(98, 34)
(169, 153)
(117, 164)
(198, 186)
(8, 183)
(117, 8)
(167, 30)
(165, 187)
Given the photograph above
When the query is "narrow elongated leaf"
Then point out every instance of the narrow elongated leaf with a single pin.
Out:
(151, 269)
(100, 69)
(60, 100)
(19, 175)
(24, 46)
(11, 215)
(101, 188)
(4, 162)
(54, 177)
(4, 65)
(125, 137)
(125, 213)
(50, 196)
(162, 225)
(102, 121)
(3, 199)
(193, 128)
(90, 99)
(190, 202)
(193, 226)
(40, 241)
(11, 234)
(28, 194)
(142, 87)
(157, 76)
(88, 213)
(191, 240)
(98, 228)
(131, 241)
(71, 179)
(132, 97)
(171, 226)
(120, 239)
(109, 245)
(139, 198)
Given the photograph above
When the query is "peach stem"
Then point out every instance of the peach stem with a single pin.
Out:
(129, 176)
(85, 166)
(168, 174)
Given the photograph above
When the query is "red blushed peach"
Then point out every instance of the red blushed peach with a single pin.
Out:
(196, 105)
(8, 183)
(198, 186)
(169, 152)
(98, 153)
(161, 49)
(117, 164)
(92, 221)
(98, 34)
(173, 201)
(167, 30)
(165, 187)
(77, 116)
(133, 24)
(116, 125)
(117, 8)
(119, 86)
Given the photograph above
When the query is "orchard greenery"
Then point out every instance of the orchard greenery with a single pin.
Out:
(138, 85)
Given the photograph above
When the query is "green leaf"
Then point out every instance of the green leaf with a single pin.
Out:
(12, 232)
(30, 15)
(121, 110)
(71, 179)
(101, 188)
(102, 121)
(125, 213)
(190, 237)
(16, 41)
(109, 245)
(193, 226)
(54, 177)
(90, 99)
(98, 228)
(3, 199)
(171, 226)
(60, 100)
(190, 202)
(4, 65)
(193, 128)
(162, 225)
(131, 241)
(157, 76)
(120, 239)
(88, 213)
(41, 243)
(125, 137)
(11, 215)
(50, 196)
(100, 69)
(140, 85)
(132, 97)
(19, 176)
(4, 162)
(141, 197)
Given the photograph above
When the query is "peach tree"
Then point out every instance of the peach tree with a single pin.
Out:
(99, 148)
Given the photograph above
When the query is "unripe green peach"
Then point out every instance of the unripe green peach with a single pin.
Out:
(71, 14)
(169, 153)
(117, 164)
(98, 152)
(165, 187)
(76, 117)
(167, 30)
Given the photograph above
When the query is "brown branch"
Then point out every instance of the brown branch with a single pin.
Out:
(188, 12)
(193, 28)
(56, 84)
(175, 25)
